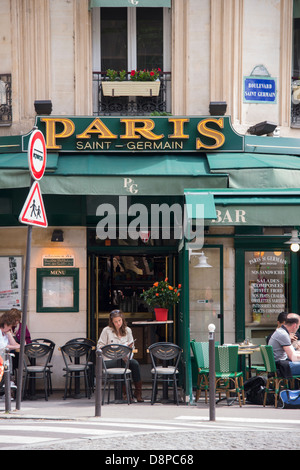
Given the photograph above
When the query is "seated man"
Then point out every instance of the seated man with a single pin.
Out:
(282, 344)
(280, 321)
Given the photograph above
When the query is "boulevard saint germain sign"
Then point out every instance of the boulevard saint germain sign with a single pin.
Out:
(139, 134)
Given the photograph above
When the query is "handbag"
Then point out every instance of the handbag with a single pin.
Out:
(290, 398)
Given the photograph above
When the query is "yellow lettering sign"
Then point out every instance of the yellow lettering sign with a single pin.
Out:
(212, 133)
(51, 135)
(132, 130)
(97, 127)
(178, 129)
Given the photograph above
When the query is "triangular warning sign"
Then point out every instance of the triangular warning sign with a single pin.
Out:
(33, 212)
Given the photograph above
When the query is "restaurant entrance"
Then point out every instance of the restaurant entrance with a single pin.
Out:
(115, 281)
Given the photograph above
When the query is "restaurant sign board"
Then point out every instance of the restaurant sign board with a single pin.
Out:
(166, 134)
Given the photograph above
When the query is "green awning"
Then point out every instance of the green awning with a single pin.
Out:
(118, 164)
(20, 161)
(130, 3)
(257, 170)
(254, 207)
(226, 161)
(278, 145)
(200, 204)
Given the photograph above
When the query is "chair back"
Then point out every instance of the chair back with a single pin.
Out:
(75, 350)
(226, 359)
(82, 340)
(268, 357)
(165, 352)
(201, 354)
(46, 341)
(113, 352)
(37, 352)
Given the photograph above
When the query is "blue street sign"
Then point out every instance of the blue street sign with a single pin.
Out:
(260, 90)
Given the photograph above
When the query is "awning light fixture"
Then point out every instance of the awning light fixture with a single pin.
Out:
(202, 261)
(294, 241)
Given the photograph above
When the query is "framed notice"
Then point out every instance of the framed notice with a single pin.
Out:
(11, 282)
(58, 290)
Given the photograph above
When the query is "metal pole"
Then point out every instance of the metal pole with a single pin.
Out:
(24, 319)
(7, 381)
(98, 392)
(212, 373)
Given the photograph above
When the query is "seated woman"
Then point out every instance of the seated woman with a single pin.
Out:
(118, 332)
(7, 322)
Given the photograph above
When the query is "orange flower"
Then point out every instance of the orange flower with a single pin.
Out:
(157, 294)
(170, 287)
(155, 284)
(166, 280)
(179, 286)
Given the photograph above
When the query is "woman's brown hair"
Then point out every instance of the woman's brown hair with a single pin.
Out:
(7, 318)
(115, 314)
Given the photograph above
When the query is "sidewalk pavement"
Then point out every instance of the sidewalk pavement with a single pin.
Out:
(85, 409)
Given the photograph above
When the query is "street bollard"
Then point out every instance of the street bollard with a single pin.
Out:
(212, 373)
(98, 391)
(7, 381)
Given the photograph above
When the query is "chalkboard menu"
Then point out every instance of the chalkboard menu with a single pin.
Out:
(267, 290)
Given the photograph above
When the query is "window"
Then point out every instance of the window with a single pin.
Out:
(131, 38)
(295, 105)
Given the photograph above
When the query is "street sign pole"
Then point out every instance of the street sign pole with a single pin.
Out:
(24, 319)
(37, 163)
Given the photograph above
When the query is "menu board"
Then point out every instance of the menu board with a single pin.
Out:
(10, 282)
(266, 275)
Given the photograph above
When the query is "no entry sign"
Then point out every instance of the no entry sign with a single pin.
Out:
(37, 154)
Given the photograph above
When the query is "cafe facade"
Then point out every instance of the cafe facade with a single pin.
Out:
(135, 196)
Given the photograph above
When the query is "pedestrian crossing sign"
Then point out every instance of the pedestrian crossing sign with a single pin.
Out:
(33, 212)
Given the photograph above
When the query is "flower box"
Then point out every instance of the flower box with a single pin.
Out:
(130, 88)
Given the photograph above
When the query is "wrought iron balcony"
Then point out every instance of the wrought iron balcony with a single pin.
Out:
(131, 105)
(5, 100)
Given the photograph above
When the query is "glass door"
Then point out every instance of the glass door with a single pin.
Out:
(206, 293)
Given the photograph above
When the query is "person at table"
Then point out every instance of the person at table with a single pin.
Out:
(280, 321)
(7, 322)
(18, 327)
(117, 332)
(282, 345)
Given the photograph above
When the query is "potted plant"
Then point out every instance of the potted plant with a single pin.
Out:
(161, 296)
(140, 83)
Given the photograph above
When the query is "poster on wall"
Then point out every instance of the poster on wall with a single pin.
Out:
(10, 282)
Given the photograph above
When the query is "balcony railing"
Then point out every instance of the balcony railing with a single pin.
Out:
(5, 99)
(131, 105)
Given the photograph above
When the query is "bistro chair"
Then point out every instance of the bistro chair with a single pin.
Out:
(274, 381)
(120, 373)
(201, 355)
(228, 378)
(91, 363)
(36, 364)
(165, 359)
(76, 358)
(50, 343)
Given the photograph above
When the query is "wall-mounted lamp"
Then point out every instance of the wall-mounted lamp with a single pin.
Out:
(57, 236)
(43, 107)
(217, 108)
(294, 241)
(262, 128)
(202, 262)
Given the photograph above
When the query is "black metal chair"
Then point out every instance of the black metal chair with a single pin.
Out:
(92, 360)
(36, 362)
(80, 353)
(165, 359)
(50, 343)
(122, 373)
